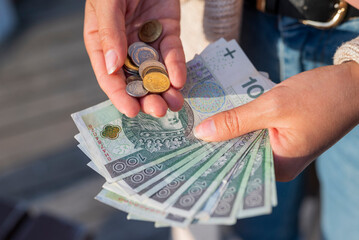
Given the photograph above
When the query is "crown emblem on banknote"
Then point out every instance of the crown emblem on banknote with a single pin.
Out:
(159, 134)
(111, 131)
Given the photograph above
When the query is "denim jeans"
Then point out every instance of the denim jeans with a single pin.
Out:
(283, 47)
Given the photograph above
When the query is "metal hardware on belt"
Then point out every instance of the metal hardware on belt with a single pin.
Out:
(337, 18)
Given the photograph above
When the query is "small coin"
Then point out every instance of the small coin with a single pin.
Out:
(129, 72)
(150, 31)
(141, 54)
(133, 78)
(156, 82)
(148, 64)
(135, 45)
(153, 69)
(136, 89)
(130, 65)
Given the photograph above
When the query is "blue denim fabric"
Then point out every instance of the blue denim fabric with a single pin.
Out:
(284, 47)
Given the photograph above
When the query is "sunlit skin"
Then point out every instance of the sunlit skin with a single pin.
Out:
(305, 115)
(113, 25)
(354, 3)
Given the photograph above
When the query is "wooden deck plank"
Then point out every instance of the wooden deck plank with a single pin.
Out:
(19, 150)
(46, 175)
(47, 83)
(77, 203)
(39, 109)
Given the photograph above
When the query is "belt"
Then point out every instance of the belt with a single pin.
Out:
(322, 14)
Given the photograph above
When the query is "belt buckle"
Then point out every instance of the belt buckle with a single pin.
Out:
(337, 18)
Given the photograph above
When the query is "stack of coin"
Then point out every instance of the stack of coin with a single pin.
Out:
(144, 71)
(129, 67)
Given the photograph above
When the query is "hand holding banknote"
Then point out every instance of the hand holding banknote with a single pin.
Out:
(305, 115)
(156, 170)
(110, 26)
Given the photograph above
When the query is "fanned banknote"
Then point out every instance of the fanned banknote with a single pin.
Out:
(156, 170)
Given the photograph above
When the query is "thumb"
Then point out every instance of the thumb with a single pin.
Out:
(233, 123)
(112, 33)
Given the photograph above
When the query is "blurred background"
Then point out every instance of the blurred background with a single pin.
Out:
(45, 75)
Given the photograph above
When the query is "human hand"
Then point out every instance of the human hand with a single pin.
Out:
(305, 115)
(110, 26)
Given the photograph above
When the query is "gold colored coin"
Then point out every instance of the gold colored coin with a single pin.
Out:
(130, 65)
(156, 82)
(150, 31)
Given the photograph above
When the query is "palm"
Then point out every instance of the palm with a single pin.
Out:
(114, 25)
(307, 121)
(165, 11)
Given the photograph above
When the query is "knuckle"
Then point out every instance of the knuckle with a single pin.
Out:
(231, 122)
(106, 35)
(277, 105)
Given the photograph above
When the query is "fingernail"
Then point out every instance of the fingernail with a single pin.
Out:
(153, 115)
(156, 115)
(111, 61)
(205, 130)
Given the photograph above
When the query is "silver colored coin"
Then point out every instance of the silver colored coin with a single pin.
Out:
(134, 46)
(153, 69)
(144, 53)
(136, 89)
(150, 63)
(133, 78)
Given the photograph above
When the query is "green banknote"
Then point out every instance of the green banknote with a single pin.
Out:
(143, 181)
(122, 146)
(132, 216)
(225, 209)
(162, 189)
(134, 207)
(257, 198)
(190, 201)
(164, 193)
(137, 182)
(273, 182)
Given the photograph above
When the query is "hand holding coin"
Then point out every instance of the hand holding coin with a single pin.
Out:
(111, 26)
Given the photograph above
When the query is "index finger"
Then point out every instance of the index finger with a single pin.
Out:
(113, 85)
(173, 56)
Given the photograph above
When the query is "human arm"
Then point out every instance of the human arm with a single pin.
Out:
(110, 26)
(305, 115)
